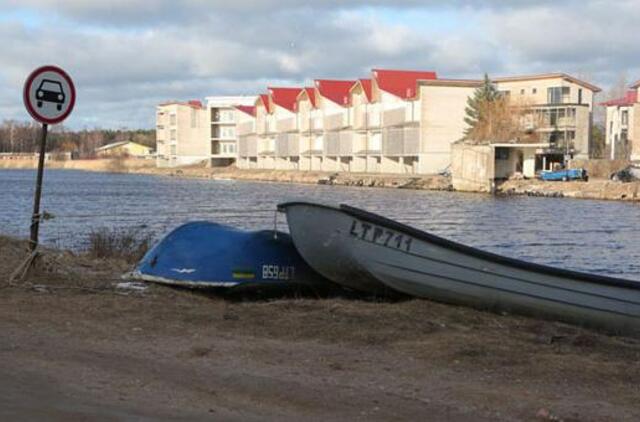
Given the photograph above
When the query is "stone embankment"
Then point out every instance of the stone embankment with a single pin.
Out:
(432, 182)
(593, 189)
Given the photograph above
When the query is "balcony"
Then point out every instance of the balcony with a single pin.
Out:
(401, 141)
(267, 147)
(336, 121)
(246, 128)
(287, 145)
(401, 115)
(248, 146)
(359, 118)
(219, 117)
(345, 146)
(286, 125)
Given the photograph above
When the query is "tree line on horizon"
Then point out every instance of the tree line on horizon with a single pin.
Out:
(24, 137)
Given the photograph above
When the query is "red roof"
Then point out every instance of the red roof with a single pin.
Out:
(366, 87)
(336, 91)
(311, 94)
(285, 97)
(401, 83)
(629, 99)
(264, 99)
(251, 110)
(190, 103)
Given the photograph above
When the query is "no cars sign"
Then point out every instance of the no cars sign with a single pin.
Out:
(49, 94)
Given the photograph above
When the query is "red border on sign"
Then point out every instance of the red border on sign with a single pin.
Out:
(27, 85)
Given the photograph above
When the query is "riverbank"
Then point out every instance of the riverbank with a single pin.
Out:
(601, 189)
(75, 346)
(593, 189)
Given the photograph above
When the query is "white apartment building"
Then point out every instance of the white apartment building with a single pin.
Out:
(181, 132)
(223, 135)
(189, 133)
(405, 122)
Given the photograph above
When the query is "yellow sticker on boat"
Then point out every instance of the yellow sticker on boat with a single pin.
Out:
(243, 275)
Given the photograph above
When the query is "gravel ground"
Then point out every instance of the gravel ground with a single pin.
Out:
(75, 347)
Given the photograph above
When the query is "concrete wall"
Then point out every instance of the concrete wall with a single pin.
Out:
(442, 123)
(472, 167)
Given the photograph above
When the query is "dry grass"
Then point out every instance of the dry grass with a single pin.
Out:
(129, 245)
(505, 120)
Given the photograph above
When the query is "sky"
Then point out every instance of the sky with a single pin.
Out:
(126, 56)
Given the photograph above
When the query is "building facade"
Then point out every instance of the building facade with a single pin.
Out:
(181, 132)
(189, 133)
(405, 122)
(560, 110)
(621, 125)
(125, 149)
(223, 126)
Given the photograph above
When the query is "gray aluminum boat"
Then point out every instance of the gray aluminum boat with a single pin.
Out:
(371, 253)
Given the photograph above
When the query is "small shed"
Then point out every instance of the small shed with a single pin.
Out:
(478, 167)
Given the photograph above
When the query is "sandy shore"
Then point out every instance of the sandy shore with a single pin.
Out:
(75, 347)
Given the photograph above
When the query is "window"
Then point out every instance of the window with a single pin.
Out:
(558, 94)
(625, 117)
(173, 136)
(522, 91)
(502, 153)
(227, 132)
(173, 150)
(611, 128)
(505, 93)
(172, 119)
(580, 96)
(534, 90)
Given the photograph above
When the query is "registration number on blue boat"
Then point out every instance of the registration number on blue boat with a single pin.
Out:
(278, 272)
(380, 236)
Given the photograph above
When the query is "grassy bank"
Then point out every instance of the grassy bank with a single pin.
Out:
(77, 346)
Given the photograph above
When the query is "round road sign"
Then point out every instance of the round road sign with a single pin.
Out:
(49, 94)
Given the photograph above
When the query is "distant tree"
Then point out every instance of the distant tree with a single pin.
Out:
(598, 141)
(475, 112)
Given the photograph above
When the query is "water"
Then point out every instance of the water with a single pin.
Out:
(593, 236)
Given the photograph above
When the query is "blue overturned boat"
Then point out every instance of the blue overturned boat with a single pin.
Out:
(206, 254)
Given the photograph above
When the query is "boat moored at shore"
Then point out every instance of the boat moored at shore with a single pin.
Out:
(368, 252)
(205, 254)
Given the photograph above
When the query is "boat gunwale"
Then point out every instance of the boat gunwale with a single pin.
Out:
(469, 250)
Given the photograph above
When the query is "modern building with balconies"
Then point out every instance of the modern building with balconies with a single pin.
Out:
(189, 133)
(405, 122)
(561, 107)
(223, 136)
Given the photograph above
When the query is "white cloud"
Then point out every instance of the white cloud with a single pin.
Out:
(127, 55)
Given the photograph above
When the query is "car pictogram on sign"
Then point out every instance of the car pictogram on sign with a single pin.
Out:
(49, 94)
(52, 92)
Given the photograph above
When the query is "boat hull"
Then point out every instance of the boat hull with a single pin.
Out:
(420, 264)
(205, 254)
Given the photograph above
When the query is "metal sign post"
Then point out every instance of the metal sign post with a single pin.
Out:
(35, 218)
(49, 96)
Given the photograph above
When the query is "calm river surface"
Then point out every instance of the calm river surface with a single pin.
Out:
(594, 236)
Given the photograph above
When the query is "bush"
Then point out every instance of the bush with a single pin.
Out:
(127, 244)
